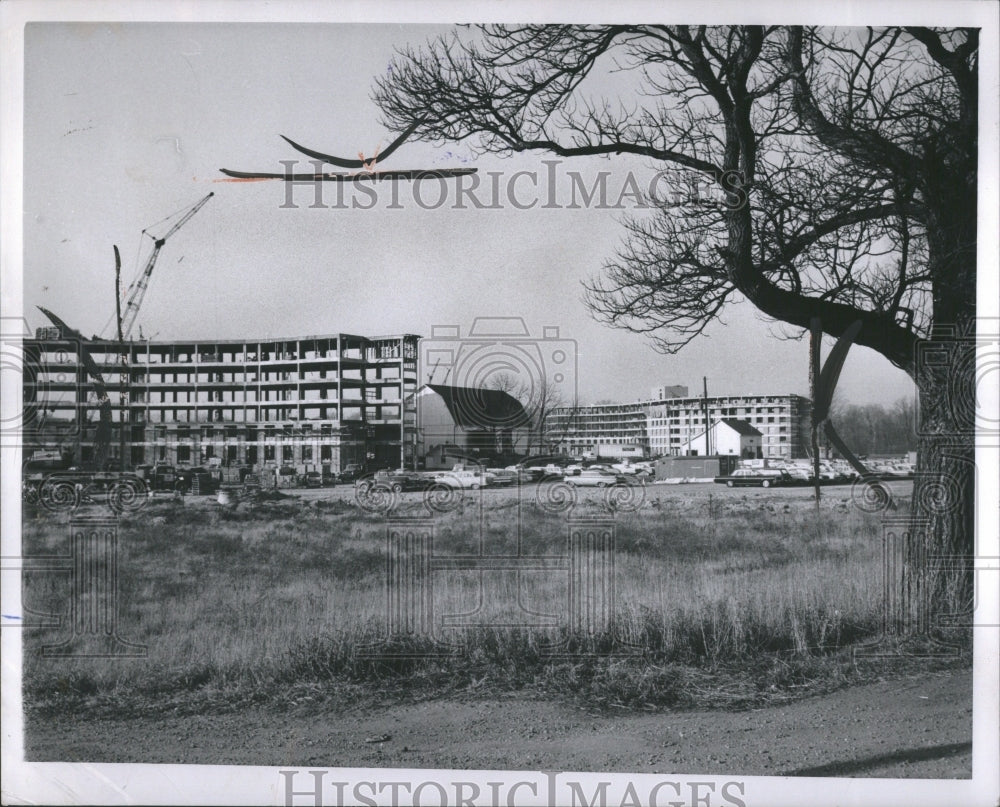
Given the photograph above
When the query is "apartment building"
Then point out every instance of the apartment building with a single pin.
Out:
(321, 401)
(584, 429)
(665, 426)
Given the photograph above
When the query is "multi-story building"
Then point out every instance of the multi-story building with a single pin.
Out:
(665, 391)
(318, 400)
(665, 426)
(582, 429)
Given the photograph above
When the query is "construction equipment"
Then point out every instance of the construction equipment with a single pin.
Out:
(138, 288)
(123, 489)
(126, 320)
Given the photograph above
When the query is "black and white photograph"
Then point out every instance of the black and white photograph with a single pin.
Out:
(500, 403)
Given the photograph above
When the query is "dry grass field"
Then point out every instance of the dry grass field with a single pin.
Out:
(742, 600)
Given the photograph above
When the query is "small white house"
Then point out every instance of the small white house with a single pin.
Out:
(727, 437)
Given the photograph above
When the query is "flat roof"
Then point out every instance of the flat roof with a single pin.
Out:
(249, 340)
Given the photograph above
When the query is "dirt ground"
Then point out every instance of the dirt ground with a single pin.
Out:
(916, 727)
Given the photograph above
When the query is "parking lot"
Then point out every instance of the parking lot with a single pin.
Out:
(647, 493)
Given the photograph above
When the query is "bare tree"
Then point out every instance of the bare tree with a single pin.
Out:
(841, 163)
(539, 399)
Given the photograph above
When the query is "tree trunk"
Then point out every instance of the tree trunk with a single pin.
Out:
(937, 578)
(815, 338)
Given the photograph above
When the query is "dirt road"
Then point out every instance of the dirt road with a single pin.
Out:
(918, 727)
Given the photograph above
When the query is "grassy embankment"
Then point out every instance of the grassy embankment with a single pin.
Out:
(743, 605)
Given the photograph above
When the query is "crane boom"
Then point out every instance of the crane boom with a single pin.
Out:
(102, 438)
(139, 292)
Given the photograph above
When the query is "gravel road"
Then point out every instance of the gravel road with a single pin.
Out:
(919, 727)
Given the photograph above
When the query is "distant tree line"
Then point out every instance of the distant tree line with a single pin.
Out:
(876, 429)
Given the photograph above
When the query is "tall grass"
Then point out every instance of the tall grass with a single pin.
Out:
(287, 603)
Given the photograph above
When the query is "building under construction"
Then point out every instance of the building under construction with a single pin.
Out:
(319, 402)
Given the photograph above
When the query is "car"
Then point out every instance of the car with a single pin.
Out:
(463, 479)
(312, 479)
(589, 477)
(502, 477)
(402, 480)
(525, 475)
(546, 471)
(760, 477)
(351, 472)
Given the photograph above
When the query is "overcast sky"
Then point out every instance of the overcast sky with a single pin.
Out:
(127, 123)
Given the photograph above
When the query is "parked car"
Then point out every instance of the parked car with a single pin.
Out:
(546, 471)
(351, 472)
(463, 479)
(760, 477)
(311, 479)
(502, 477)
(589, 477)
(402, 480)
(525, 475)
(799, 474)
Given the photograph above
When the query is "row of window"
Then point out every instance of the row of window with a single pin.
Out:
(260, 414)
(184, 453)
(255, 351)
(663, 441)
(677, 430)
(241, 396)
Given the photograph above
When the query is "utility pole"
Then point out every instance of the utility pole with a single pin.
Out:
(708, 448)
(815, 339)
(123, 419)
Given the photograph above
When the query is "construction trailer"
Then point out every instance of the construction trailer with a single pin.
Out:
(694, 467)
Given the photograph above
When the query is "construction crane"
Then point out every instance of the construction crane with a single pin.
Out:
(126, 320)
(138, 292)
